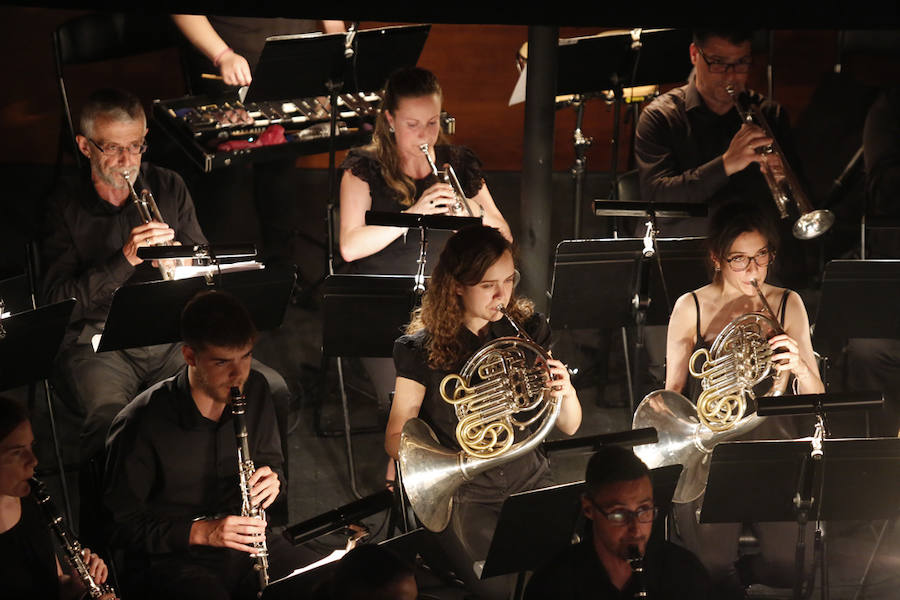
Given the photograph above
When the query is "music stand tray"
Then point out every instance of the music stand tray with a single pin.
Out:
(577, 306)
(753, 481)
(31, 342)
(523, 543)
(150, 313)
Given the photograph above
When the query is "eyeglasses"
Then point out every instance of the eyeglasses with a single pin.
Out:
(119, 150)
(741, 262)
(717, 66)
(622, 516)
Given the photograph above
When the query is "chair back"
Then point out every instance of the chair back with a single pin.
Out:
(100, 37)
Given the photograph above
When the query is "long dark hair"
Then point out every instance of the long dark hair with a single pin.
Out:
(413, 82)
(468, 254)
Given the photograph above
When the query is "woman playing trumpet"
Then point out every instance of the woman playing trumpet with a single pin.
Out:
(459, 313)
(743, 244)
(393, 174)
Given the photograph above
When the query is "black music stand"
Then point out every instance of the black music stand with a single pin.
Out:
(522, 543)
(362, 316)
(839, 318)
(645, 296)
(607, 61)
(331, 64)
(265, 293)
(29, 341)
(757, 481)
(305, 584)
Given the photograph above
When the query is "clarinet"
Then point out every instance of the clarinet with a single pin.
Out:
(69, 543)
(636, 561)
(245, 471)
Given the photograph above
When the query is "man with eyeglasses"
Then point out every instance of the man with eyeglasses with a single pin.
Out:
(618, 502)
(92, 233)
(692, 146)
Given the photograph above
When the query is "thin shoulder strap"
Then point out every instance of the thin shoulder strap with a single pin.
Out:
(697, 304)
(784, 299)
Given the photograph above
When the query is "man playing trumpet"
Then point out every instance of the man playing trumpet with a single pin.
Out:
(92, 235)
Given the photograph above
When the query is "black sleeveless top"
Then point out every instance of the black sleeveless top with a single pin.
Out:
(400, 256)
(694, 387)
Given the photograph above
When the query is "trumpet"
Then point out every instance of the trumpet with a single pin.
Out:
(785, 189)
(448, 175)
(149, 212)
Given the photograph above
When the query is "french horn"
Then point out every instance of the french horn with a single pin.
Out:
(503, 387)
(738, 368)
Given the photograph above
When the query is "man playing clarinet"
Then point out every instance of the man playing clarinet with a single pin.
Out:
(172, 477)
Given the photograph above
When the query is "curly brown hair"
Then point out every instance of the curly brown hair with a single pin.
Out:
(413, 82)
(469, 253)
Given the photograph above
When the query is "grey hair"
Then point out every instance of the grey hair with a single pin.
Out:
(112, 103)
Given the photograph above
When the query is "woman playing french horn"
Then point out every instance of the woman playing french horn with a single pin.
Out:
(459, 313)
(743, 244)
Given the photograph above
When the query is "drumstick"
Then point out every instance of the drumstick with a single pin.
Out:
(211, 76)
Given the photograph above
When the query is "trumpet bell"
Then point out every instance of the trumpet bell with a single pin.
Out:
(813, 224)
(431, 474)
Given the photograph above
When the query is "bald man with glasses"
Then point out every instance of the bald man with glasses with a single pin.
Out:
(692, 146)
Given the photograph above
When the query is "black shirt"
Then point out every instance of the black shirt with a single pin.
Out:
(168, 464)
(411, 360)
(670, 573)
(82, 247)
(28, 568)
(400, 256)
(679, 145)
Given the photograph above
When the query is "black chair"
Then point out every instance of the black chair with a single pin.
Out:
(99, 37)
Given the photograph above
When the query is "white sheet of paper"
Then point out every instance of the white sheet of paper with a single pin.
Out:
(518, 93)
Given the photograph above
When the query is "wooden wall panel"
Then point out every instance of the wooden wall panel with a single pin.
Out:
(475, 64)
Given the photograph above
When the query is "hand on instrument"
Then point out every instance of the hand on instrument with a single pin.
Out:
(742, 149)
(95, 565)
(560, 382)
(436, 200)
(787, 356)
(264, 487)
(237, 533)
(234, 68)
(148, 234)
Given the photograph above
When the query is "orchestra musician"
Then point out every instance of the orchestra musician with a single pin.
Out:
(30, 568)
(171, 479)
(692, 146)
(93, 232)
(618, 502)
(475, 273)
(743, 243)
(392, 174)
